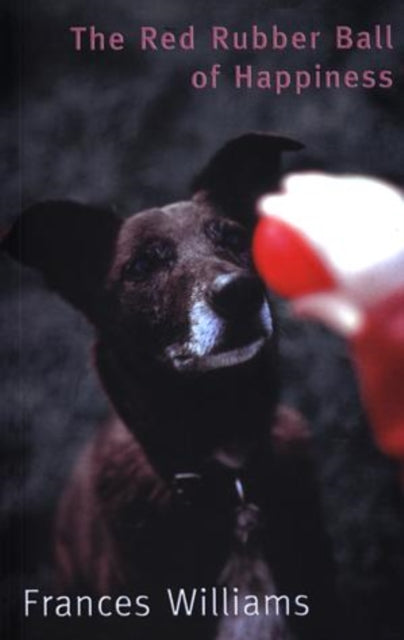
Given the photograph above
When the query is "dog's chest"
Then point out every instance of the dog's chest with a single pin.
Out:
(208, 566)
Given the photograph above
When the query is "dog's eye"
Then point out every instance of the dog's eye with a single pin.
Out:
(228, 236)
(149, 259)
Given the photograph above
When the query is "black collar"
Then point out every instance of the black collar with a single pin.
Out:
(219, 488)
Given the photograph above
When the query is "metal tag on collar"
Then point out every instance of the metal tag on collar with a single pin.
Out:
(248, 515)
(240, 490)
(248, 520)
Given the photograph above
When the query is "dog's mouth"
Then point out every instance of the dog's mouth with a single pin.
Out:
(185, 362)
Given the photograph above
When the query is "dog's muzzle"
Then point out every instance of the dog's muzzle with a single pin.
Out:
(229, 325)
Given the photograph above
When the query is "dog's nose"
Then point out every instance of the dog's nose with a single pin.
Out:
(236, 294)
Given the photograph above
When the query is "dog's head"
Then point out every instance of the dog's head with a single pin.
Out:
(172, 287)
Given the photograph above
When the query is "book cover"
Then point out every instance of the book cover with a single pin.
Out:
(182, 456)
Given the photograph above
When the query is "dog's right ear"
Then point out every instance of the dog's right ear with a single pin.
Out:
(71, 244)
(240, 172)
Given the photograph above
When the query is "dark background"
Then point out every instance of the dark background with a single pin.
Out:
(125, 128)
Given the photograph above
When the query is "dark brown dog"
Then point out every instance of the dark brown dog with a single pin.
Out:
(199, 481)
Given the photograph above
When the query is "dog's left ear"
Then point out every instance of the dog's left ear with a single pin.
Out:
(240, 172)
(71, 245)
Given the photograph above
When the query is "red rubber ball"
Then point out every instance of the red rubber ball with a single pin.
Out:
(286, 261)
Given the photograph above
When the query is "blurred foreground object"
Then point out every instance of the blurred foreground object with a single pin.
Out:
(334, 245)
